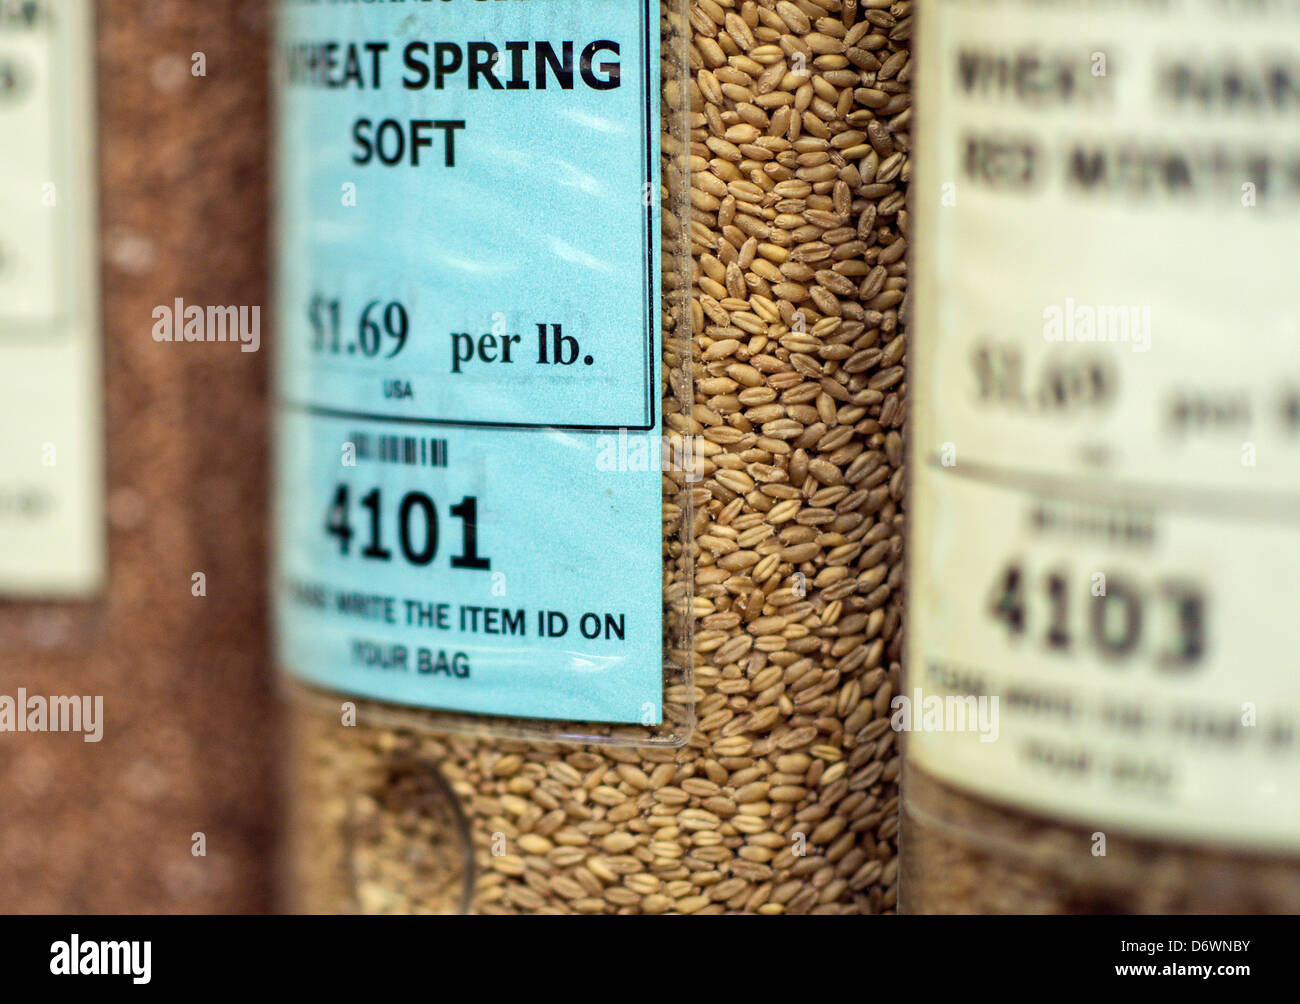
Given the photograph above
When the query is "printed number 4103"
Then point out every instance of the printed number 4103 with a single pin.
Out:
(1118, 614)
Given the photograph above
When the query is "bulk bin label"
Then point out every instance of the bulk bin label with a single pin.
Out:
(51, 466)
(468, 502)
(1106, 461)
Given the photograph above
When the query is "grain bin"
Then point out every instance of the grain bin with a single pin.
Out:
(1100, 704)
(591, 383)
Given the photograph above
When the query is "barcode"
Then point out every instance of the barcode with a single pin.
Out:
(413, 451)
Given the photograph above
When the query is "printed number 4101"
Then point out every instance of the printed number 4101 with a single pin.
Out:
(417, 528)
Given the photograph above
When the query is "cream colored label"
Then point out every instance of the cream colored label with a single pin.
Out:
(1106, 448)
(51, 468)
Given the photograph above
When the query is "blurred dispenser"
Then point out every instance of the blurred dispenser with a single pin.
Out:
(1101, 706)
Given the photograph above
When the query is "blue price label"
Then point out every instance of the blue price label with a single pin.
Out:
(469, 501)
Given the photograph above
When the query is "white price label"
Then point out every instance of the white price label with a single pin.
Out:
(51, 466)
(1106, 448)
